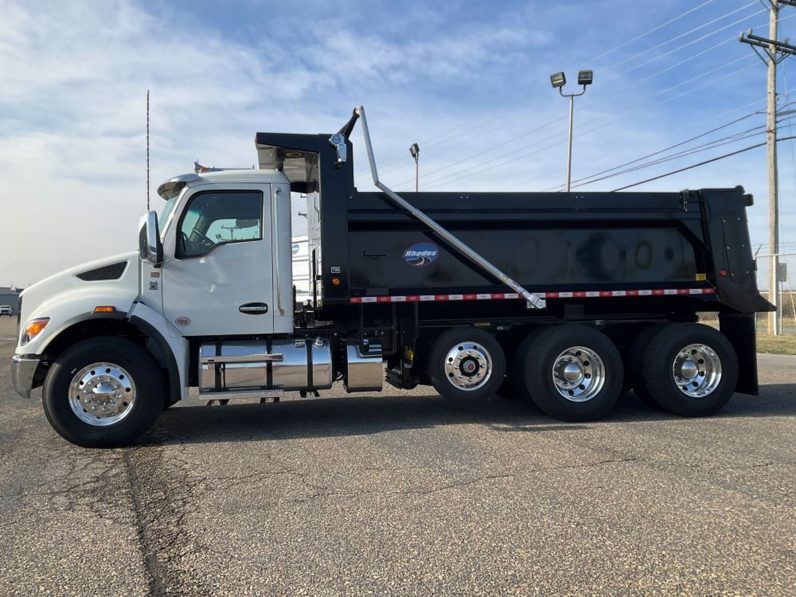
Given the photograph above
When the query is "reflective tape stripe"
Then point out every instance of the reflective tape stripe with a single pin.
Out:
(500, 296)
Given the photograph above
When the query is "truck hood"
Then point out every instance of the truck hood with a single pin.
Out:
(73, 294)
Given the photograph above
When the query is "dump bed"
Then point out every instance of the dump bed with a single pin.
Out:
(552, 243)
(363, 249)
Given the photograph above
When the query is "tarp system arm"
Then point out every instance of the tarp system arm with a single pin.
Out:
(533, 301)
(338, 140)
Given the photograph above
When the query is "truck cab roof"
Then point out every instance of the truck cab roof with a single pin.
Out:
(173, 186)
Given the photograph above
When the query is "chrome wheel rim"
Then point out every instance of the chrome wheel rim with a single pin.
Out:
(102, 394)
(578, 374)
(468, 366)
(696, 370)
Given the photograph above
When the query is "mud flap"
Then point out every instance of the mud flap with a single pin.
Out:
(740, 331)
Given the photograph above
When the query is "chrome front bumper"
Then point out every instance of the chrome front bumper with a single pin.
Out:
(23, 368)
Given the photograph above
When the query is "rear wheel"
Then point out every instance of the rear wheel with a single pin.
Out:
(634, 364)
(690, 369)
(103, 392)
(571, 372)
(466, 365)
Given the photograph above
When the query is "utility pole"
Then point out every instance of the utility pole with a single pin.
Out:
(772, 52)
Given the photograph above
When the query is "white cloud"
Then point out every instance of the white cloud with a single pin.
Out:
(74, 77)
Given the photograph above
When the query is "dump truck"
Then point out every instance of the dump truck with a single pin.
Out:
(565, 300)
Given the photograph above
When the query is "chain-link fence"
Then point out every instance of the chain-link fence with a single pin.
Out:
(775, 334)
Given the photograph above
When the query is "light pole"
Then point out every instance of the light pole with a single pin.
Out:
(414, 150)
(558, 80)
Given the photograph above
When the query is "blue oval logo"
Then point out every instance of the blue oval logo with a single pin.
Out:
(421, 254)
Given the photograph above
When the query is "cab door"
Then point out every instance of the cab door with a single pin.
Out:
(217, 269)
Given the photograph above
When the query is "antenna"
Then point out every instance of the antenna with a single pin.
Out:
(147, 150)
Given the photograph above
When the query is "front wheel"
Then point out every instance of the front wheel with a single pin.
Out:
(103, 392)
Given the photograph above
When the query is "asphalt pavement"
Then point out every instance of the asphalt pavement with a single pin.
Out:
(398, 493)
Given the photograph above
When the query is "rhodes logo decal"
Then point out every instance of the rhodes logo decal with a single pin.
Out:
(421, 254)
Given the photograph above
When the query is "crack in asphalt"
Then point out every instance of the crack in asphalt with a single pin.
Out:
(64, 490)
(237, 480)
(143, 530)
(163, 491)
(322, 491)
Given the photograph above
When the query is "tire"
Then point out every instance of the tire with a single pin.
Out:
(634, 364)
(690, 369)
(466, 365)
(131, 389)
(595, 359)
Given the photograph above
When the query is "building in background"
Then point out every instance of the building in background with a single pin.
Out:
(10, 296)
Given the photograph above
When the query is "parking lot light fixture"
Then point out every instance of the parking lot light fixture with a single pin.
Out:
(558, 80)
(585, 77)
(414, 151)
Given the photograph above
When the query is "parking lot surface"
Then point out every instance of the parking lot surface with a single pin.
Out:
(403, 493)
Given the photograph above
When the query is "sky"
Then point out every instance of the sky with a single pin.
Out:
(468, 81)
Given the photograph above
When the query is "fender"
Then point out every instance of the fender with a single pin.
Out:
(173, 344)
(68, 309)
(171, 348)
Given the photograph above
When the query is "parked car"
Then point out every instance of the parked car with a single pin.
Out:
(6, 310)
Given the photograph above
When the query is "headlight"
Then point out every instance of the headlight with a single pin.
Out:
(32, 329)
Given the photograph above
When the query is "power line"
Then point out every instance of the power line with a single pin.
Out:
(757, 131)
(465, 173)
(526, 181)
(501, 144)
(489, 120)
(664, 150)
(692, 166)
(688, 44)
(775, 52)
(689, 59)
(438, 140)
(598, 176)
(436, 182)
(438, 177)
(653, 30)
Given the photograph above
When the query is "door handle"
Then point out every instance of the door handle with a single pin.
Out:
(254, 308)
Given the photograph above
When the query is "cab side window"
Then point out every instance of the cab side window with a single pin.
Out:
(218, 218)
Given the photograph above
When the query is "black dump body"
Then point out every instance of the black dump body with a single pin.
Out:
(694, 243)
(688, 250)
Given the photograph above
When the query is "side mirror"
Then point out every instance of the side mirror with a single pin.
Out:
(149, 245)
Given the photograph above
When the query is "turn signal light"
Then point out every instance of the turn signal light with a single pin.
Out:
(336, 281)
(105, 309)
(33, 328)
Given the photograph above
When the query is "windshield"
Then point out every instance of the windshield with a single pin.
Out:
(166, 212)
